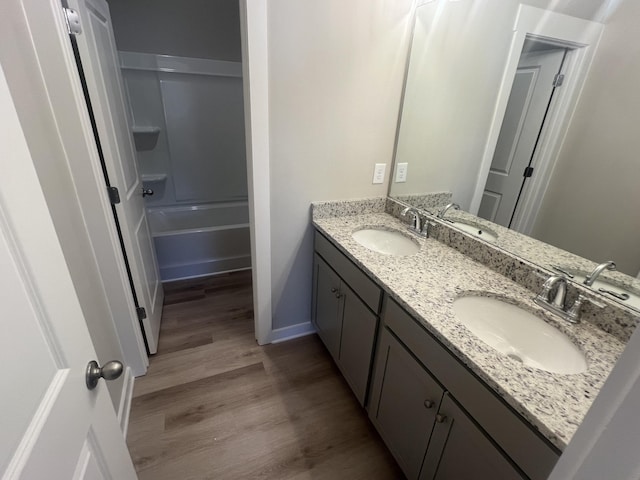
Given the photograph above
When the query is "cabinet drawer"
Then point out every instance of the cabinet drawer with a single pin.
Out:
(362, 285)
(530, 451)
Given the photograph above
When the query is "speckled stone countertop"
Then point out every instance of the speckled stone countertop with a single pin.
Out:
(427, 283)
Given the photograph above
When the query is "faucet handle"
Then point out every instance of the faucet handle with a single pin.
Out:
(573, 314)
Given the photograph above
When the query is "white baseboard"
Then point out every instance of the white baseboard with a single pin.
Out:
(293, 331)
(125, 401)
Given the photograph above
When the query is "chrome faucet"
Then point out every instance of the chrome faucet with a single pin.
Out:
(609, 265)
(446, 208)
(543, 297)
(557, 305)
(418, 225)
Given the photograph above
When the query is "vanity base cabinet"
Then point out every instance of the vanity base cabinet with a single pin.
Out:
(459, 450)
(403, 403)
(504, 431)
(343, 316)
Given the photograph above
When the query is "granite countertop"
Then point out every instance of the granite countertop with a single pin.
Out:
(427, 283)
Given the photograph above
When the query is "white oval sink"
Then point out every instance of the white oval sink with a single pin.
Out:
(519, 334)
(389, 242)
(476, 231)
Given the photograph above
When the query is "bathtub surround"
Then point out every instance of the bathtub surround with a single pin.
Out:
(197, 107)
(427, 283)
(199, 240)
(188, 116)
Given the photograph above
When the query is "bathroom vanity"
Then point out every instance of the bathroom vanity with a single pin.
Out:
(447, 405)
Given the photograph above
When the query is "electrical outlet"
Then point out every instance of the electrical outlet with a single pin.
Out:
(378, 173)
(401, 172)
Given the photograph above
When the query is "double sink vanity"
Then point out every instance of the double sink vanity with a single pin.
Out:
(461, 371)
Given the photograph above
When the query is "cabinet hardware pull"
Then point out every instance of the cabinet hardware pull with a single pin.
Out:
(440, 418)
(428, 403)
(334, 290)
(338, 295)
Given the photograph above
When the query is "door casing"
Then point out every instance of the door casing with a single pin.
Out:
(581, 37)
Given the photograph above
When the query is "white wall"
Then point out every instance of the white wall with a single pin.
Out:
(591, 206)
(458, 58)
(187, 28)
(335, 76)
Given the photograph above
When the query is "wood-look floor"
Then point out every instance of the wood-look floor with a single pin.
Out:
(214, 404)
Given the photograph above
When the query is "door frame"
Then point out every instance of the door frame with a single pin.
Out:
(255, 80)
(581, 37)
(49, 42)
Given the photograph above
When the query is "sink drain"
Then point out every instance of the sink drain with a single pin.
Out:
(515, 357)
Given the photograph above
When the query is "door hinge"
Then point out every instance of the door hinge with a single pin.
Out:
(72, 19)
(528, 172)
(142, 313)
(114, 195)
(558, 79)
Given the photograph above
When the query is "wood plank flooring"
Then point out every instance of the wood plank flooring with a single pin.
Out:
(214, 404)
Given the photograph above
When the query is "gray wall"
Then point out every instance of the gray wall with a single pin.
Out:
(335, 76)
(593, 202)
(189, 28)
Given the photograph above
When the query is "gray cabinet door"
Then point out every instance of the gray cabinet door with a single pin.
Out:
(326, 315)
(404, 402)
(459, 450)
(356, 345)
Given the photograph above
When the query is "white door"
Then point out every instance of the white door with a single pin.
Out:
(528, 101)
(52, 425)
(99, 59)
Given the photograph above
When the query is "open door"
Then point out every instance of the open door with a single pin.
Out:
(528, 103)
(100, 66)
(53, 426)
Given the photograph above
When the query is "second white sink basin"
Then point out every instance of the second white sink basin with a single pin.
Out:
(519, 334)
(474, 230)
(389, 242)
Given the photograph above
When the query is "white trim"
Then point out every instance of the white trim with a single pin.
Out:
(293, 331)
(125, 401)
(174, 64)
(581, 35)
(255, 66)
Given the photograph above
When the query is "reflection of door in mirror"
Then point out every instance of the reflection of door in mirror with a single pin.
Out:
(531, 93)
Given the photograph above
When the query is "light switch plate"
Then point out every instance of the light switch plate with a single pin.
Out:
(401, 172)
(378, 173)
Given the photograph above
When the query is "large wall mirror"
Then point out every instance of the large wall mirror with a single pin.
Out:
(527, 113)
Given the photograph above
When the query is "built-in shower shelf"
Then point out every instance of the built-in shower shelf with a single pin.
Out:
(153, 177)
(145, 137)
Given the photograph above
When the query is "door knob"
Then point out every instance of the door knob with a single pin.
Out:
(441, 418)
(146, 191)
(110, 371)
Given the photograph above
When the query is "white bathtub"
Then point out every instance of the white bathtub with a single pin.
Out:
(198, 240)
